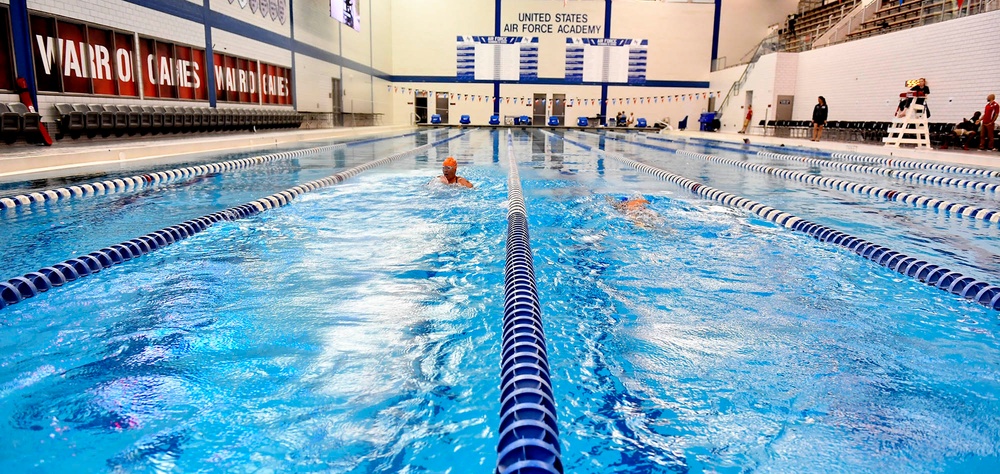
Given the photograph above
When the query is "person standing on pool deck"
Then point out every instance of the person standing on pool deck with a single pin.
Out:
(449, 169)
(820, 113)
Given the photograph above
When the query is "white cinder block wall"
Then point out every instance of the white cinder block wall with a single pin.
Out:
(861, 80)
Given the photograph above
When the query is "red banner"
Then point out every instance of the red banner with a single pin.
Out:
(83, 59)
(239, 80)
(173, 70)
(6, 56)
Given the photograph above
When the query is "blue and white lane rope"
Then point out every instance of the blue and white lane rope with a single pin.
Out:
(917, 200)
(874, 159)
(899, 174)
(890, 161)
(31, 284)
(159, 178)
(939, 277)
(529, 436)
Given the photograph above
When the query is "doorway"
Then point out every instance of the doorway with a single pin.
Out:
(420, 107)
(337, 96)
(559, 107)
(538, 110)
(441, 106)
(784, 109)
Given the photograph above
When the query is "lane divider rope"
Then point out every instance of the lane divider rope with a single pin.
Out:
(892, 173)
(874, 159)
(31, 284)
(529, 435)
(159, 178)
(916, 200)
(890, 161)
(939, 277)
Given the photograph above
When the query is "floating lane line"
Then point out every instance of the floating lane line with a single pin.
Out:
(892, 195)
(898, 174)
(939, 277)
(874, 159)
(159, 178)
(529, 435)
(890, 161)
(916, 200)
(31, 284)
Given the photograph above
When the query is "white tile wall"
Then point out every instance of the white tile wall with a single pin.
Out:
(228, 43)
(125, 16)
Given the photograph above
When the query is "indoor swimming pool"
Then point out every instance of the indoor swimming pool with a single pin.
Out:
(358, 327)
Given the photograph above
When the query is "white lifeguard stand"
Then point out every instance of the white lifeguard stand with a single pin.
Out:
(911, 128)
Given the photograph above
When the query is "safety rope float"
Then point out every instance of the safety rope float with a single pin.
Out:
(529, 436)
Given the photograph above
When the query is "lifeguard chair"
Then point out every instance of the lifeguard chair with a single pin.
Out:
(911, 128)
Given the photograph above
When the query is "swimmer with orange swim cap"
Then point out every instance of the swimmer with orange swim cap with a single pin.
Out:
(448, 176)
(635, 209)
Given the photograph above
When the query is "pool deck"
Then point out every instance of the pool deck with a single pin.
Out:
(973, 158)
(66, 156)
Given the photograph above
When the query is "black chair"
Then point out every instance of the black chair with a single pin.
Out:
(91, 119)
(159, 119)
(178, 119)
(70, 122)
(145, 118)
(119, 119)
(213, 119)
(226, 119)
(10, 125)
(107, 119)
(30, 121)
(133, 122)
(167, 118)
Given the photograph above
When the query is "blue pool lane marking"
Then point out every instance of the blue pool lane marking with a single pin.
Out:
(31, 284)
(873, 159)
(892, 195)
(529, 435)
(939, 277)
(892, 173)
(159, 178)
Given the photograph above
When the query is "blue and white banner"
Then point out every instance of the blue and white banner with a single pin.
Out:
(605, 60)
(497, 58)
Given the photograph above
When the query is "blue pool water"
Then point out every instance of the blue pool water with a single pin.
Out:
(358, 329)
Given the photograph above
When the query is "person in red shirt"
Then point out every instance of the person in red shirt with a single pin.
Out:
(988, 122)
(746, 121)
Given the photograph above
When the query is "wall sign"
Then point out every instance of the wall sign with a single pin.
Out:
(80, 58)
(497, 58)
(248, 81)
(276, 10)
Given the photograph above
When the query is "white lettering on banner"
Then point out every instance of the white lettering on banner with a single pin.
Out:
(47, 49)
(275, 85)
(184, 73)
(103, 60)
(124, 58)
(243, 80)
(71, 61)
(165, 72)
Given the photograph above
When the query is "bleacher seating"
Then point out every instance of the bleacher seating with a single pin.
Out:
(81, 119)
(893, 15)
(811, 24)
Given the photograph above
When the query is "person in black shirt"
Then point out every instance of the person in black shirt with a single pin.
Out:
(965, 132)
(922, 92)
(820, 113)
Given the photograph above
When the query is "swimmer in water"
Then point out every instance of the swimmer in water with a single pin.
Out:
(635, 209)
(449, 169)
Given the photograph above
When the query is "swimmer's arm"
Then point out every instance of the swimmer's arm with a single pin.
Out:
(464, 182)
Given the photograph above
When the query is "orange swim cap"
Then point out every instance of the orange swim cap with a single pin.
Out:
(449, 161)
